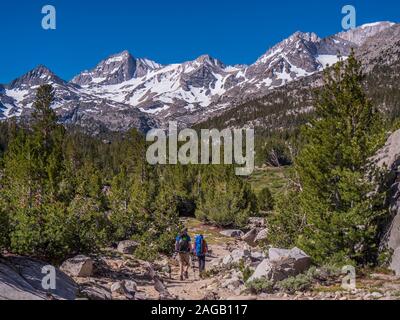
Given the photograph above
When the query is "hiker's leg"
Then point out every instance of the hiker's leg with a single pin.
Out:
(187, 265)
(181, 266)
(202, 263)
(199, 258)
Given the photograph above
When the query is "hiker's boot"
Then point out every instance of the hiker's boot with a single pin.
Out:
(186, 275)
(181, 277)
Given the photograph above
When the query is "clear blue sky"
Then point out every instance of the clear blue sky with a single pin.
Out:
(167, 31)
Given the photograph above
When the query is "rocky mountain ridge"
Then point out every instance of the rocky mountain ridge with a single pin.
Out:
(123, 91)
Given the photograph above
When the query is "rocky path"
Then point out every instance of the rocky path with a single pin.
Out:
(116, 274)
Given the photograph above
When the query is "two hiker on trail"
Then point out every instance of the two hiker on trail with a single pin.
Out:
(184, 247)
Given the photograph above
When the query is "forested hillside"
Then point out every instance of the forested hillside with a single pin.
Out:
(64, 192)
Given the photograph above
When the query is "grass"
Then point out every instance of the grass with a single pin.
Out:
(211, 233)
(271, 177)
(329, 289)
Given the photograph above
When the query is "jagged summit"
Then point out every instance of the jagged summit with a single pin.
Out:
(37, 76)
(363, 32)
(115, 69)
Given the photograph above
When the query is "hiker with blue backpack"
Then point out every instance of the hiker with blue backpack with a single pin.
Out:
(200, 249)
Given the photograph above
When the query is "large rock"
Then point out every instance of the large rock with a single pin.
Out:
(236, 256)
(127, 246)
(240, 254)
(21, 279)
(281, 264)
(79, 266)
(232, 233)
(262, 271)
(301, 261)
(395, 263)
(250, 236)
(389, 158)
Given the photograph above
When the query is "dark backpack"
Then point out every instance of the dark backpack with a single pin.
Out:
(183, 244)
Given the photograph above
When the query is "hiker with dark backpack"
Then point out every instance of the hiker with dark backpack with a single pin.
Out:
(182, 247)
(200, 249)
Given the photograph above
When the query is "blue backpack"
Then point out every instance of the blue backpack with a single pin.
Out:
(199, 245)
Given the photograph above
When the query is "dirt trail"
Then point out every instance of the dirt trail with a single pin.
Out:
(195, 288)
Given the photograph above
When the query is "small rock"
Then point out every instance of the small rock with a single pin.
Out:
(211, 295)
(261, 236)
(130, 286)
(227, 260)
(140, 296)
(376, 295)
(95, 291)
(232, 283)
(250, 236)
(232, 233)
(118, 288)
(127, 246)
(79, 266)
(256, 222)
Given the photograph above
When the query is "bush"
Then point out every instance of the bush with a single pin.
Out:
(301, 282)
(40, 232)
(225, 200)
(258, 286)
(54, 232)
(265, 200)
(245, 270)
(88, 225)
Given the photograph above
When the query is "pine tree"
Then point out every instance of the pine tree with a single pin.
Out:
(337, 197)
(224, 199)
(265, 200)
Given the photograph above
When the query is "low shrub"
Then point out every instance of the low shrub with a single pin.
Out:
(258, 286)
(301, 282)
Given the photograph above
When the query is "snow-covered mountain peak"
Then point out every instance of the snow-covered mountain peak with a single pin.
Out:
(360, 34)
(207, 59)
(116, 69)
(307, 36)
(37, 76)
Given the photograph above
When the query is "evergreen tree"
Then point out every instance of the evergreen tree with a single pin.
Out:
(265, 200)
(338, 198)
(32, 167)
(225, 199)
